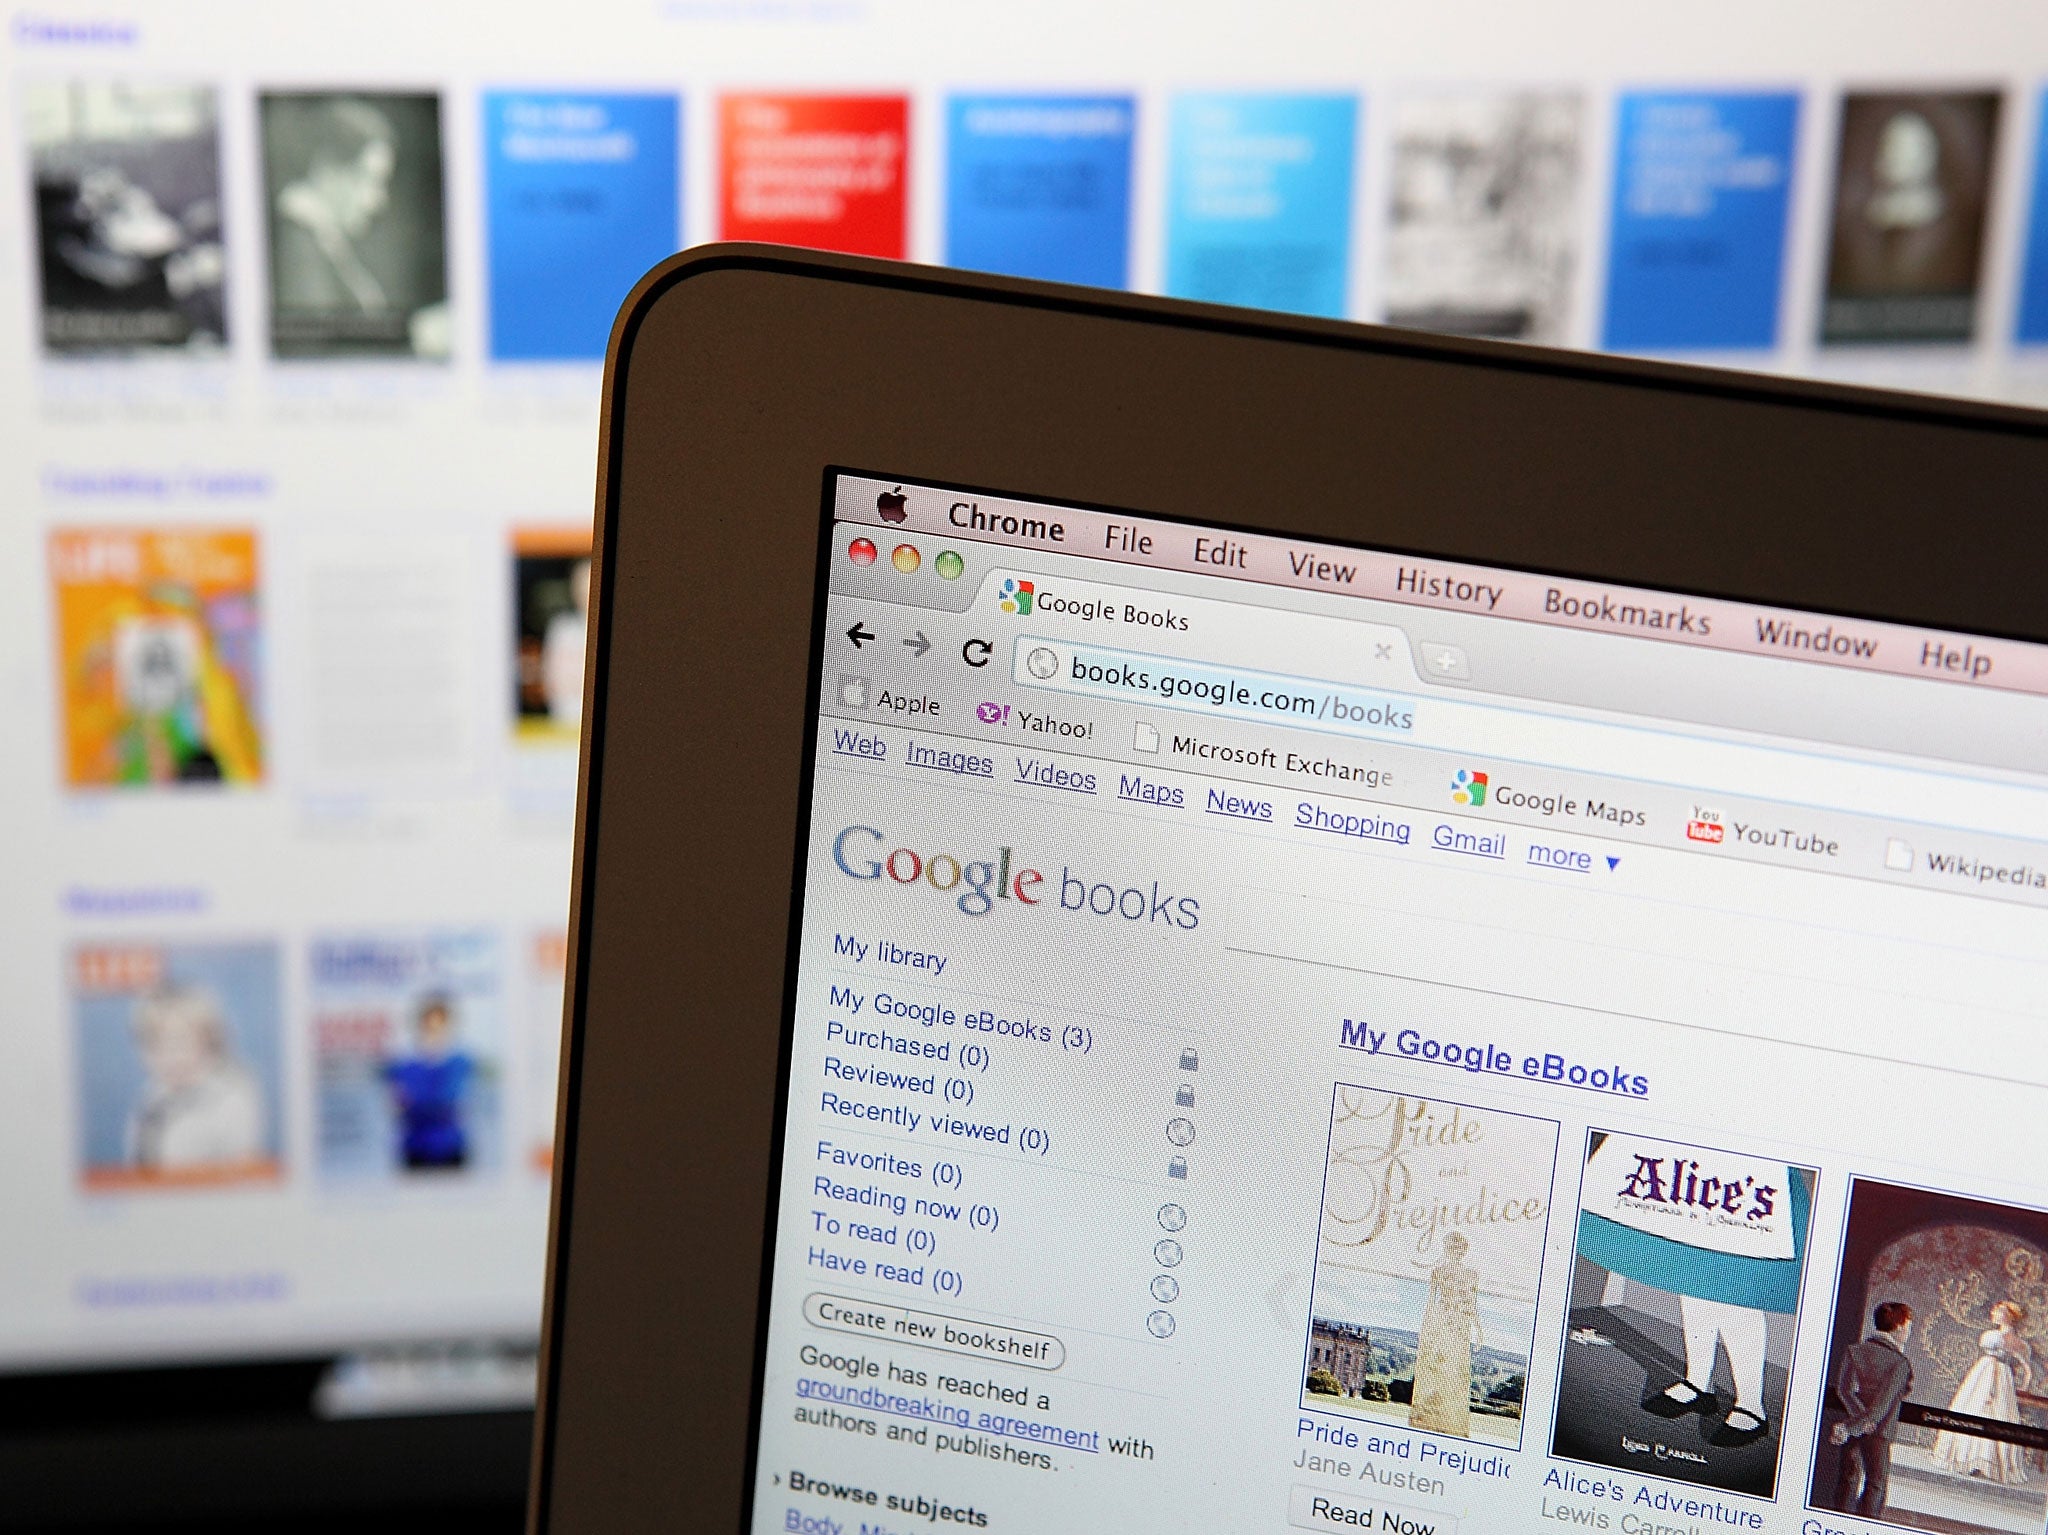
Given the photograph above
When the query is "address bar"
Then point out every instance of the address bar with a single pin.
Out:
(1694, 763)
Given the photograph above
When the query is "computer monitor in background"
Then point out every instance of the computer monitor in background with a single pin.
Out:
(298, 390)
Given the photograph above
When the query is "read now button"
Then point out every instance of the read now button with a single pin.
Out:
(1314, 1509)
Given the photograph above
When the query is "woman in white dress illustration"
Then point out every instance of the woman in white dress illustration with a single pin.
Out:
(2004, 1368)
(1443, 1347)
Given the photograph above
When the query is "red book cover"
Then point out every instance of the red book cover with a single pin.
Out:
(826, 172)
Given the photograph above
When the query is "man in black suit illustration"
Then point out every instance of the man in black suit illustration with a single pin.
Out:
(1872, 1383)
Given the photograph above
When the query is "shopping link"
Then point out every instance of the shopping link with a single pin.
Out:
(1251, 695)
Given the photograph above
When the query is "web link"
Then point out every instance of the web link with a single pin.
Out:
(1224, 690)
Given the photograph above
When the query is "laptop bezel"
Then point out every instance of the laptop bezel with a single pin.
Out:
(739, 377)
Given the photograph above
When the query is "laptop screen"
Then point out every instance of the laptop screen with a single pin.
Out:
(1301, 1036)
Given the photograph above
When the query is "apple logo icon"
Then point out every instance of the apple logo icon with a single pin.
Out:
(893, 505)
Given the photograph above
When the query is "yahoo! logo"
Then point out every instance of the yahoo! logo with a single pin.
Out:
(981, 882)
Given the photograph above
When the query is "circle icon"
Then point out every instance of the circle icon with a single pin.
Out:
(1160, 1324)
(1172, 1217)
(1042, 664)
(1165, 1287)
(862, 551)
(1180, 1131)
(1166, 1252)
(949, 565)
(905, 558)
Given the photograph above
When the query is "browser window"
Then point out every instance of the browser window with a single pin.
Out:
(1290, 1036)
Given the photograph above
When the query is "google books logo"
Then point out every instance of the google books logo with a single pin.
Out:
(1468, 788)
(1018, 596)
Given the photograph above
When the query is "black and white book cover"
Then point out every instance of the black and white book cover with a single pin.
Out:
(1483, 232)
(354, 208)
(1913, 178)
(128, 216)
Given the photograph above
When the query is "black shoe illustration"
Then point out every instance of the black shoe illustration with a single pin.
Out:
(1740, 1427)
(1662, 1404)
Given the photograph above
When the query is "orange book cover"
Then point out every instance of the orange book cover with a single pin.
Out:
(159, 650)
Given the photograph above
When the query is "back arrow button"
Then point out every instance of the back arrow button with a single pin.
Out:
(918, 643)
(860, 634)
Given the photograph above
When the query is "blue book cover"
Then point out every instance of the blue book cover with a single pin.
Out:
(583, 197)
(1696, 251)
(2033, 317)
(1259, 200)
(1040, 186)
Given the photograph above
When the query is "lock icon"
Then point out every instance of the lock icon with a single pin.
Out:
(1185, 1098)
(1177, 1168)
(1189, 1061)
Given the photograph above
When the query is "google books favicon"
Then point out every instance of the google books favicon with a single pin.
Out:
(1017, 596)
(1468, 788)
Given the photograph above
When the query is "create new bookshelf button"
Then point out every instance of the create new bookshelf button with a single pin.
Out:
(1313, 1508)
(931, 1329)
